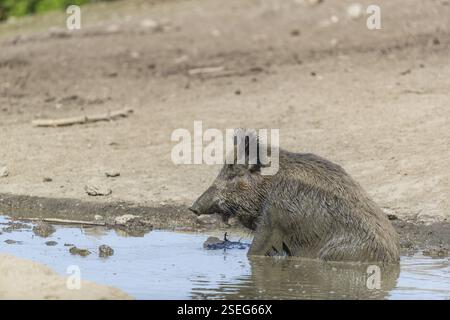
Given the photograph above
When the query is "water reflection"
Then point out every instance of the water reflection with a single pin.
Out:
(305, 279)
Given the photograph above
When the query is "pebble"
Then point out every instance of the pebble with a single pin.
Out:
(79, 252)
(97, 190)
(9, 241)
(112, 174)
(124, 219)
(4, 172)
(43, 229)
(354, 11)
(295, 33)
(212, 241)
(308, 3)
(149, 24)
(105, 251)
(438, 252)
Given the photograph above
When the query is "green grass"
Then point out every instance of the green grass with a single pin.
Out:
(18, 8)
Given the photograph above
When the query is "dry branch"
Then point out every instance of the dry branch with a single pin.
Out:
(64, 221)
(206, 70)
(82, 119)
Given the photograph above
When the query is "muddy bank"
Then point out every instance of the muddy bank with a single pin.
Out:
(23, 279)
(432, 239)
(29, 207)
(137, 220)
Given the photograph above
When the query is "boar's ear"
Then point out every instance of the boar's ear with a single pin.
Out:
(246, 149)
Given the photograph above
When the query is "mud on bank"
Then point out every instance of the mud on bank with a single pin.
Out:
(431, 239)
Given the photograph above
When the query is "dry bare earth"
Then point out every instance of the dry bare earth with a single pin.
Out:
(376, 102)
(23, 279)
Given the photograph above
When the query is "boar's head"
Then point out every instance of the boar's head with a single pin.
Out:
(239, 190)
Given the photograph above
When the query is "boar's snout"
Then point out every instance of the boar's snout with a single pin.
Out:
(195, 208)
(207, 203)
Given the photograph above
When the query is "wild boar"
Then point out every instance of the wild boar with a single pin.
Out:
(310, 208)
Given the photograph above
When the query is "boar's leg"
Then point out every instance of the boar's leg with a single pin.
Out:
(268, 239)
(263, 244)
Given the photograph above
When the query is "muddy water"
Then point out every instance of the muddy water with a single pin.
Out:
(171, 265)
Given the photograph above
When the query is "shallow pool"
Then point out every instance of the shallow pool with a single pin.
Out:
(173, 265)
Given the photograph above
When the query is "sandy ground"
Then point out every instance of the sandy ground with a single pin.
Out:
(25, 280)
(376, 102)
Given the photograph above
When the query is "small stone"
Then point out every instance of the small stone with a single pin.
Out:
(51, 243)
(355, 11)
(112, 174)
(105, 251)
(149, 24)
(9, 241)
(135, 54)
(98, 217)
(97, 190)
(404, 73)
(308, 3)
(47, 179)
(69, 245)
(124, 219)
(211, 242)
(43, 229)
(79, 252)
(392, 217)
(436, 252)
(214, 243)
(295, 33)
(131, 225)
(4, 172)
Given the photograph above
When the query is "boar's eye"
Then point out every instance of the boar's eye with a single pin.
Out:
(233, 171)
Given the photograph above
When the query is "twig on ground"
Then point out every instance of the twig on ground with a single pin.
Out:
(205, 70)
(82, 119)
(64, 221)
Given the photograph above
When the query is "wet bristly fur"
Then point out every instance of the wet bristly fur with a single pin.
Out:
(311, 208)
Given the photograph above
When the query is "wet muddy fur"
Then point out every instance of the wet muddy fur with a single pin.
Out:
(310, 208)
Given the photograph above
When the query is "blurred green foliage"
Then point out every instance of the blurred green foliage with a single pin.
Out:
(17, 8)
